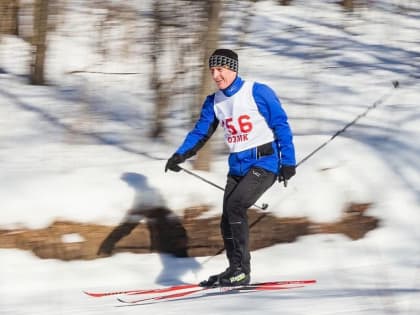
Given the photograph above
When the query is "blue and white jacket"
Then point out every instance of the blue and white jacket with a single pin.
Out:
(255, 128)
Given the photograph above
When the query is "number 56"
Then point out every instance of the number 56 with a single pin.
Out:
(243, 123)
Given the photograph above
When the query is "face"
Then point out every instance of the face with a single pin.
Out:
(223, 77)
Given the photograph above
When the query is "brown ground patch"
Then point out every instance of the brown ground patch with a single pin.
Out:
(162, 231)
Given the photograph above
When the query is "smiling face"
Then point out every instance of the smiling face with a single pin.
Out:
(223, 77)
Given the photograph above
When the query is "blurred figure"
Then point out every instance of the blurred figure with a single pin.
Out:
(167, 234)
(259, 138)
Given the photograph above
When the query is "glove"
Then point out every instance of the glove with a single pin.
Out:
(286, 172)
(173, 162)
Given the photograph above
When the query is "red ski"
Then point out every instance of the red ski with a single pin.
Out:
(147, 291)
(183, 291)
(185, 286)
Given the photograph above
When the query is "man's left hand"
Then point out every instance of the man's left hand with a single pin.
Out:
(286, 172)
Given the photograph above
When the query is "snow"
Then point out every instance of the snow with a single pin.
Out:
(327, 68)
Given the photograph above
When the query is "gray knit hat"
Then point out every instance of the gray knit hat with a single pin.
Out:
(224, 58)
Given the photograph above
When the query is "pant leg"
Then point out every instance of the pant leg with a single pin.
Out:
(247, 190)
(231, 183)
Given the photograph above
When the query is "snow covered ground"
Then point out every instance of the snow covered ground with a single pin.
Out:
(327, 68)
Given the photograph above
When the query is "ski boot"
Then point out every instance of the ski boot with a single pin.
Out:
(230, 277)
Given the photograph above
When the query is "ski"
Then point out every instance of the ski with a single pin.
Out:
(163, 297)
(262, 286)
(182, 287)
(143, 291)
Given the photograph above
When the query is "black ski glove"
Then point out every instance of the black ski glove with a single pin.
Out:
(173, 162)
(286, 172)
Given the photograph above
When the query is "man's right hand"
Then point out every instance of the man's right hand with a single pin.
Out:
(173, 162)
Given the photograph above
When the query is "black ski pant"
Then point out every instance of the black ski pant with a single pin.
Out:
(241, 193)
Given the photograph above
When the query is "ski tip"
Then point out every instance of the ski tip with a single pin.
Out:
(121, 300)
(102, 294)
(93, 294)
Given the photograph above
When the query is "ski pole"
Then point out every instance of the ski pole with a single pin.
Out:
(378, 102)
(262, 207)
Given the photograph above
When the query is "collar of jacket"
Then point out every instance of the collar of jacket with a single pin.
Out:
(234, 87)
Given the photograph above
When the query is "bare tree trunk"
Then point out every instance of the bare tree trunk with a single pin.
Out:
(101, 40)
(285, 2)
(157, 85)
(347, 4)
(166, 35)
(9, 17)
(39, 41)
(245, 24)
(204, 155)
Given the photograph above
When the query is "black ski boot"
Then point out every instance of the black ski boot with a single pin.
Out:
(229, 278)
(213, 281)
(234, 277)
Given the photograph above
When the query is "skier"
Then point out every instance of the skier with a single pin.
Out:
(260, 142)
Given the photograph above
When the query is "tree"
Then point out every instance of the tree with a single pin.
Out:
(175, 41)
(39, 41)
(9, 17)
(160, 87)
(347, 4)
(210, 44)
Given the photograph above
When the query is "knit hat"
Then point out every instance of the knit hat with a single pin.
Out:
(224, 58)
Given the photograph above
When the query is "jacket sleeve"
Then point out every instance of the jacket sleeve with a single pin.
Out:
(270, 107)
(202, 131)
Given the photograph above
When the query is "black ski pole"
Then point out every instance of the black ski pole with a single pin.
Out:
(378, 102)
(262, 207)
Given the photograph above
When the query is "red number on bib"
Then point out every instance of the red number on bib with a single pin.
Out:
(230, 126)
(245, 125)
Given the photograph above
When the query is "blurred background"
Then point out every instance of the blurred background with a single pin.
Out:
(96, 95)
(158, 51)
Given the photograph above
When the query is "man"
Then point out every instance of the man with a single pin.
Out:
(261, 149)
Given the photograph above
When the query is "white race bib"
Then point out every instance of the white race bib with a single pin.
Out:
(244, 126)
